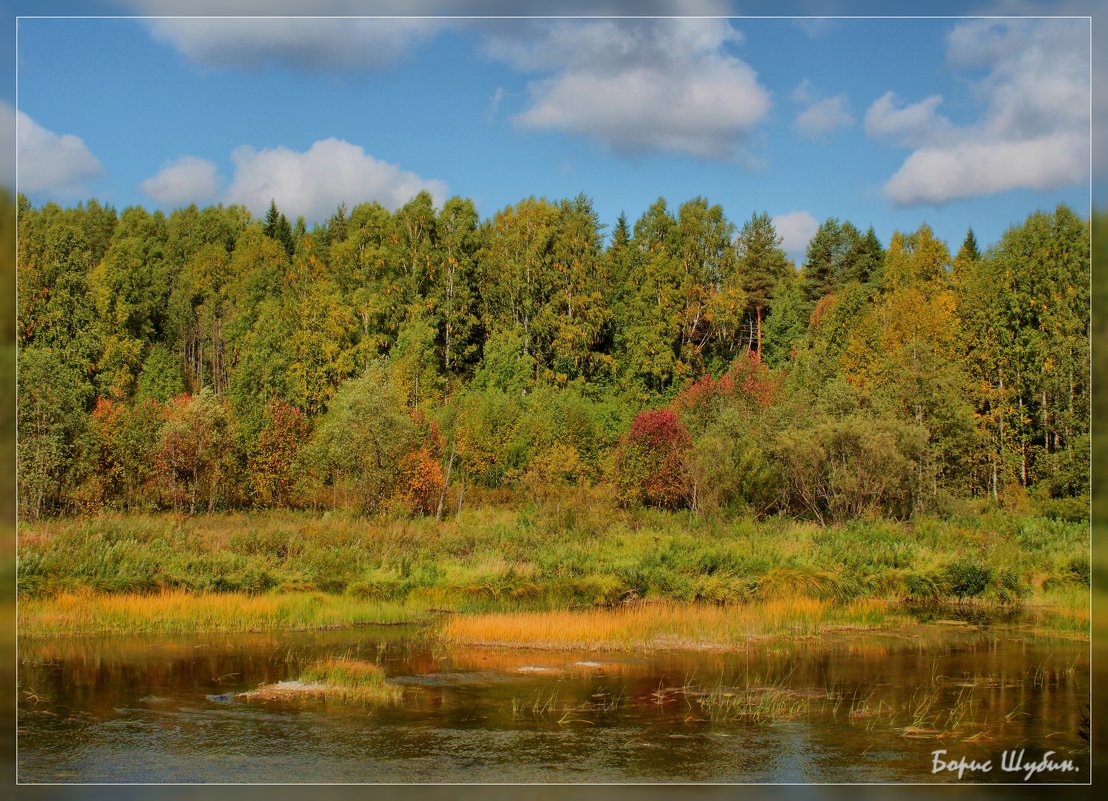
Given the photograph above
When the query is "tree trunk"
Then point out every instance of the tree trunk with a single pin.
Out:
(1023, 448)
(1046, 429)
(446, 483)
(758, 309)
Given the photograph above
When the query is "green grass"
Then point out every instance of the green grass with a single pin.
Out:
(320, 570)
(339, 679)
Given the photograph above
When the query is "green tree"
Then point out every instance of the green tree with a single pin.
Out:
(277, 228)
(415, 364)
(763, 265)
(573, 320)
(363, 266)
(517, 278)
(1024, 312)
(786, 327)
(865, 261)
(454, 288)
(823, 260)
(648, 337)
(51, 425)
(362, 439)
(55, 309)
(193, 454)
(412, 244)
(714, 302)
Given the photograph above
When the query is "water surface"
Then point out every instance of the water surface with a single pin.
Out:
(848, 708)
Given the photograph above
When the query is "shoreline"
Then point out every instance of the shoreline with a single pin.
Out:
(511, 574)
(644, 626)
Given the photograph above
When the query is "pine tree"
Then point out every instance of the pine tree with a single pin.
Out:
(272, 219)
(822, 261)
(968, 255)
(762, 266)
(865, 260)
(277, 228)
(969, 247)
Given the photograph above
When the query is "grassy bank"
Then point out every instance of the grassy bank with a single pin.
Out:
(180, 612)
(298, 570)
(668, 625)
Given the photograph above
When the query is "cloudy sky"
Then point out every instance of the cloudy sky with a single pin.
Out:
(889, 122)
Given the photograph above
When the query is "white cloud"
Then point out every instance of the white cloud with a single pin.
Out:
(796, 229)
(822, 117)
(188, 179)
(314, 182)
(910, 125)
(1078, 8)
(637, 85)
(1031, 80)
(312, 43)
(967, 169)
(61, 165)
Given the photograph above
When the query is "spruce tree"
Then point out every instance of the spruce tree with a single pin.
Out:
(762, 265)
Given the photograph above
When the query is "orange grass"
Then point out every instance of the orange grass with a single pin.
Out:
(179, 611)
(669, 625)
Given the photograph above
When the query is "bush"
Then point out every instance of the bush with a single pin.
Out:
(651, 462)
(966, 579)
(850, 468)
(273, 466)
(192, 454)
(1071, 510)
(1005, 586)
(730, 470)
(1077, 570)
(362, 439)
(924, 586)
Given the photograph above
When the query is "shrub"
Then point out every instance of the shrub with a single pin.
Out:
(192, 455)
(273, 465)
(966, 579)
(421, 480)
(849, 468)
(1078, 570)
(361, 441)
(651, 462)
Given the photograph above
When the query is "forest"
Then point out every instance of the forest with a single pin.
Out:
(416, 361)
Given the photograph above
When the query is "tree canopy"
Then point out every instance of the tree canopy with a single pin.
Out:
(206, 359)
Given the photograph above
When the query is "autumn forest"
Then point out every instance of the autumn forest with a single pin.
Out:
(407, 362)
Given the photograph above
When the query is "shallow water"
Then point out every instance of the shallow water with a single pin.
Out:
(849, 708)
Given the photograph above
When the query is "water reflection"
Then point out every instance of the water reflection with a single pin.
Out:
(853, 709)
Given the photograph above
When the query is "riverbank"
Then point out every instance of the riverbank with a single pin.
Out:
(510, 573)
(184, 612)
(634, 626)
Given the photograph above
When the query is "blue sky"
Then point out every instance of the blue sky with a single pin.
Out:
(883, 122)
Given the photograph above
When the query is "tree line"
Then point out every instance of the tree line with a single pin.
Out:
(206, 359)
